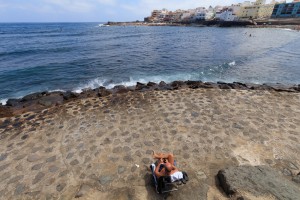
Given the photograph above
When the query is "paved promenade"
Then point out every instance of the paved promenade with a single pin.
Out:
(100, 148)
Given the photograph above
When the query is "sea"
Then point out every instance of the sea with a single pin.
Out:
(37, 57)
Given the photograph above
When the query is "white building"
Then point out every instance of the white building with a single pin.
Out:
(226, 15)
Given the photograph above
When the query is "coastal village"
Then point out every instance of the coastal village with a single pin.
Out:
(246, 11)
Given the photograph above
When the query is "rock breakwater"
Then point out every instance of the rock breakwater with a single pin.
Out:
(41, 100)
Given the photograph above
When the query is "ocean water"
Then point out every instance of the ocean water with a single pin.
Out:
(72, 56)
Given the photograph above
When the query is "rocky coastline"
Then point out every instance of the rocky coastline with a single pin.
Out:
(235, 140)
(293, 24)
(41, 100)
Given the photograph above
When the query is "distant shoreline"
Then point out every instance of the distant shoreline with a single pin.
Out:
(274, 23)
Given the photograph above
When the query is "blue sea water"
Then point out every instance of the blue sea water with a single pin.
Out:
(72, 56)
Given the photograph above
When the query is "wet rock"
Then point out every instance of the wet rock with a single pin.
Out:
(53, 99)
(103, 92)
(88, 92)
(177, 84)
(208, 85)
(13, 102)
(163, 86)
(151, 84)
(69, 95)
(120, 89)
(223, 85)
(258, 181)
(141, 86)
(238, 85)
(33, 96)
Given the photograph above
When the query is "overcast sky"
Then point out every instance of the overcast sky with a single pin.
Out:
(92, 10)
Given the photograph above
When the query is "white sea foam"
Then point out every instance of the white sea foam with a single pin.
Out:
(231, 63)
(3, 101)
(95, 83)
(57, 90)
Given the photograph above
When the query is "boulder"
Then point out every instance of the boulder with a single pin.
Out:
(238, 85)
(13, 102)
(70, 95)
(258, 181)
(208, 85)
(88, 92)
(151, 84)
(103, 92)
(120, 89)
(164, 86)
(177, 84)
(193, 84)
(140, 86)
(223, 85)
(53, 99)
(34, 96)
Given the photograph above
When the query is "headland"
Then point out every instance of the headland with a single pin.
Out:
(98, 144)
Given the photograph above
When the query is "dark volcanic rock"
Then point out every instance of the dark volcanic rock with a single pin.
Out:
(208, 85)
(151, 84)
(103, 92)
(140, 86)
(87, 93)
(70, 95)
(52, 99)
(13, 102)
(238, 85)
(177, 84)
(258, 180)
(34, 96)
(223, 85)
(120, 89)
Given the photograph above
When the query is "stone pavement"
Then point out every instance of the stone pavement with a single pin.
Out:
(100, 148)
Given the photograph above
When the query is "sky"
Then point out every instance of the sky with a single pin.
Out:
(93, 10)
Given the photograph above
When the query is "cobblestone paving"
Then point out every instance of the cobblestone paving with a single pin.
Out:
(101, 147)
